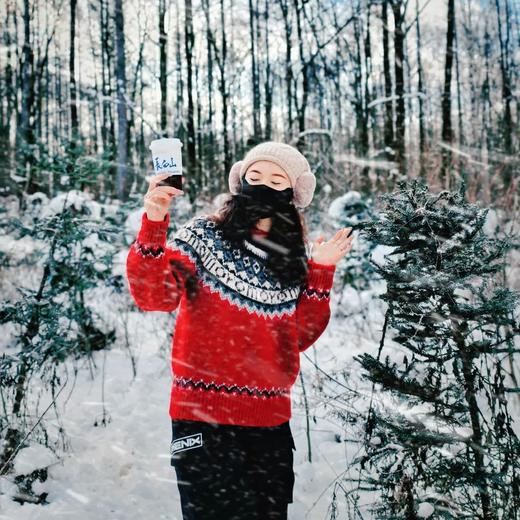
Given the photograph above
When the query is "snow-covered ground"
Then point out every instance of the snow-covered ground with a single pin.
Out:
(122, 470)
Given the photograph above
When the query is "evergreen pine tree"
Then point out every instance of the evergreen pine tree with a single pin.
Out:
(444, 445)
(352, 210)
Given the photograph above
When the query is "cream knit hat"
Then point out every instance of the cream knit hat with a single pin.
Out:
(287, 157)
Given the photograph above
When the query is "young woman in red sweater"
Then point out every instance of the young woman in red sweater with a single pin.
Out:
(251, 294)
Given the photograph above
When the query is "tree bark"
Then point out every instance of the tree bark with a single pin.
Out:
(189, 42)
(421, 93)
(400, 116)
(389, 103)
(163, 45)
(122, 143)
(25, 135)
(257, 129)
(224, 91)
(74, 122)
(288, 67)
(108, 127)
(268, 84)
(301, 108)
(447, 131)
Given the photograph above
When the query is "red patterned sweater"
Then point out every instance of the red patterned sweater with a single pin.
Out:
(236, 344)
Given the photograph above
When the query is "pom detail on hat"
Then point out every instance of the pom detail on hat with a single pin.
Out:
(304, 190)
(234, 177)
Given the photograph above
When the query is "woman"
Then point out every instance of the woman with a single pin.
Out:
(250, 299)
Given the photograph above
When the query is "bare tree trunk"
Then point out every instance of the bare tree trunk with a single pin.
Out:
(25, 135)
(136, 149)
(94, 106)
(507, 121)
(421, 93)
(221, 58)
(485, 131)
(163, 45)
(365, 97)
(389, 103)
(210, 123)
(461, 139)
(108, 126)
(224, 91)
(208, 150)
(361, 141)
(58, 95)
(74, 122)
(122, 143)
(7, 109)
(189, 42)
(288, 67)
(179, 94)
(198, 145)
(337, 86)
(301, 108)
(257, 129)
(447, 131)
(141, 123)
(400, 116)
(505, 73)
(269, 84)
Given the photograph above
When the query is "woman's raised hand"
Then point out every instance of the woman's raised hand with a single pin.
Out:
(331, 251)
(157, 198)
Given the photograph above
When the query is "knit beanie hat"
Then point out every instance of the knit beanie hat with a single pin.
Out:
(287, 157)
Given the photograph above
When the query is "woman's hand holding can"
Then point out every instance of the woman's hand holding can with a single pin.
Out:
(157, 198)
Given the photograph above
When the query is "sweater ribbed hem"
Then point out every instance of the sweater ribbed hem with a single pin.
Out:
(225, 408)
(320, 276)
(153, 233)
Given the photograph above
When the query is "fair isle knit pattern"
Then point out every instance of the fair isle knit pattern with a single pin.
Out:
(263, 393)
(236, 276)
(237, 340)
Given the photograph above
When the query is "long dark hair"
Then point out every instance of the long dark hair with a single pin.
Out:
(285, 242)
(184, 278)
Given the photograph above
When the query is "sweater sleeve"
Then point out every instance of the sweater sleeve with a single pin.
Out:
(154, 283)
(313, 306)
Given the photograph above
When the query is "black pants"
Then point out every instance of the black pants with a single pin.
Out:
(233, 472)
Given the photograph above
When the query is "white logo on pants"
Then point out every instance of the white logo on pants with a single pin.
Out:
(186, 443)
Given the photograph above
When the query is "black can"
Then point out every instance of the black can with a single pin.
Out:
(173, 180)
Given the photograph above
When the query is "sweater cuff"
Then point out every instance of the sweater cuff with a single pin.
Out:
(320, 276)
(153, 233)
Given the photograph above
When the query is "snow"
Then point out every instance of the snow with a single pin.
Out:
(18, 250)
(32, 458)
(338, 205)
(76, 199)
(425, 510)
(366, 163)
(120, 469)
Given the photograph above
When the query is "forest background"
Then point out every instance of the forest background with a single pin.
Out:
(373, 92)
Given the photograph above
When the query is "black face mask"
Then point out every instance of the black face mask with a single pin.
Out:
(263, 201)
